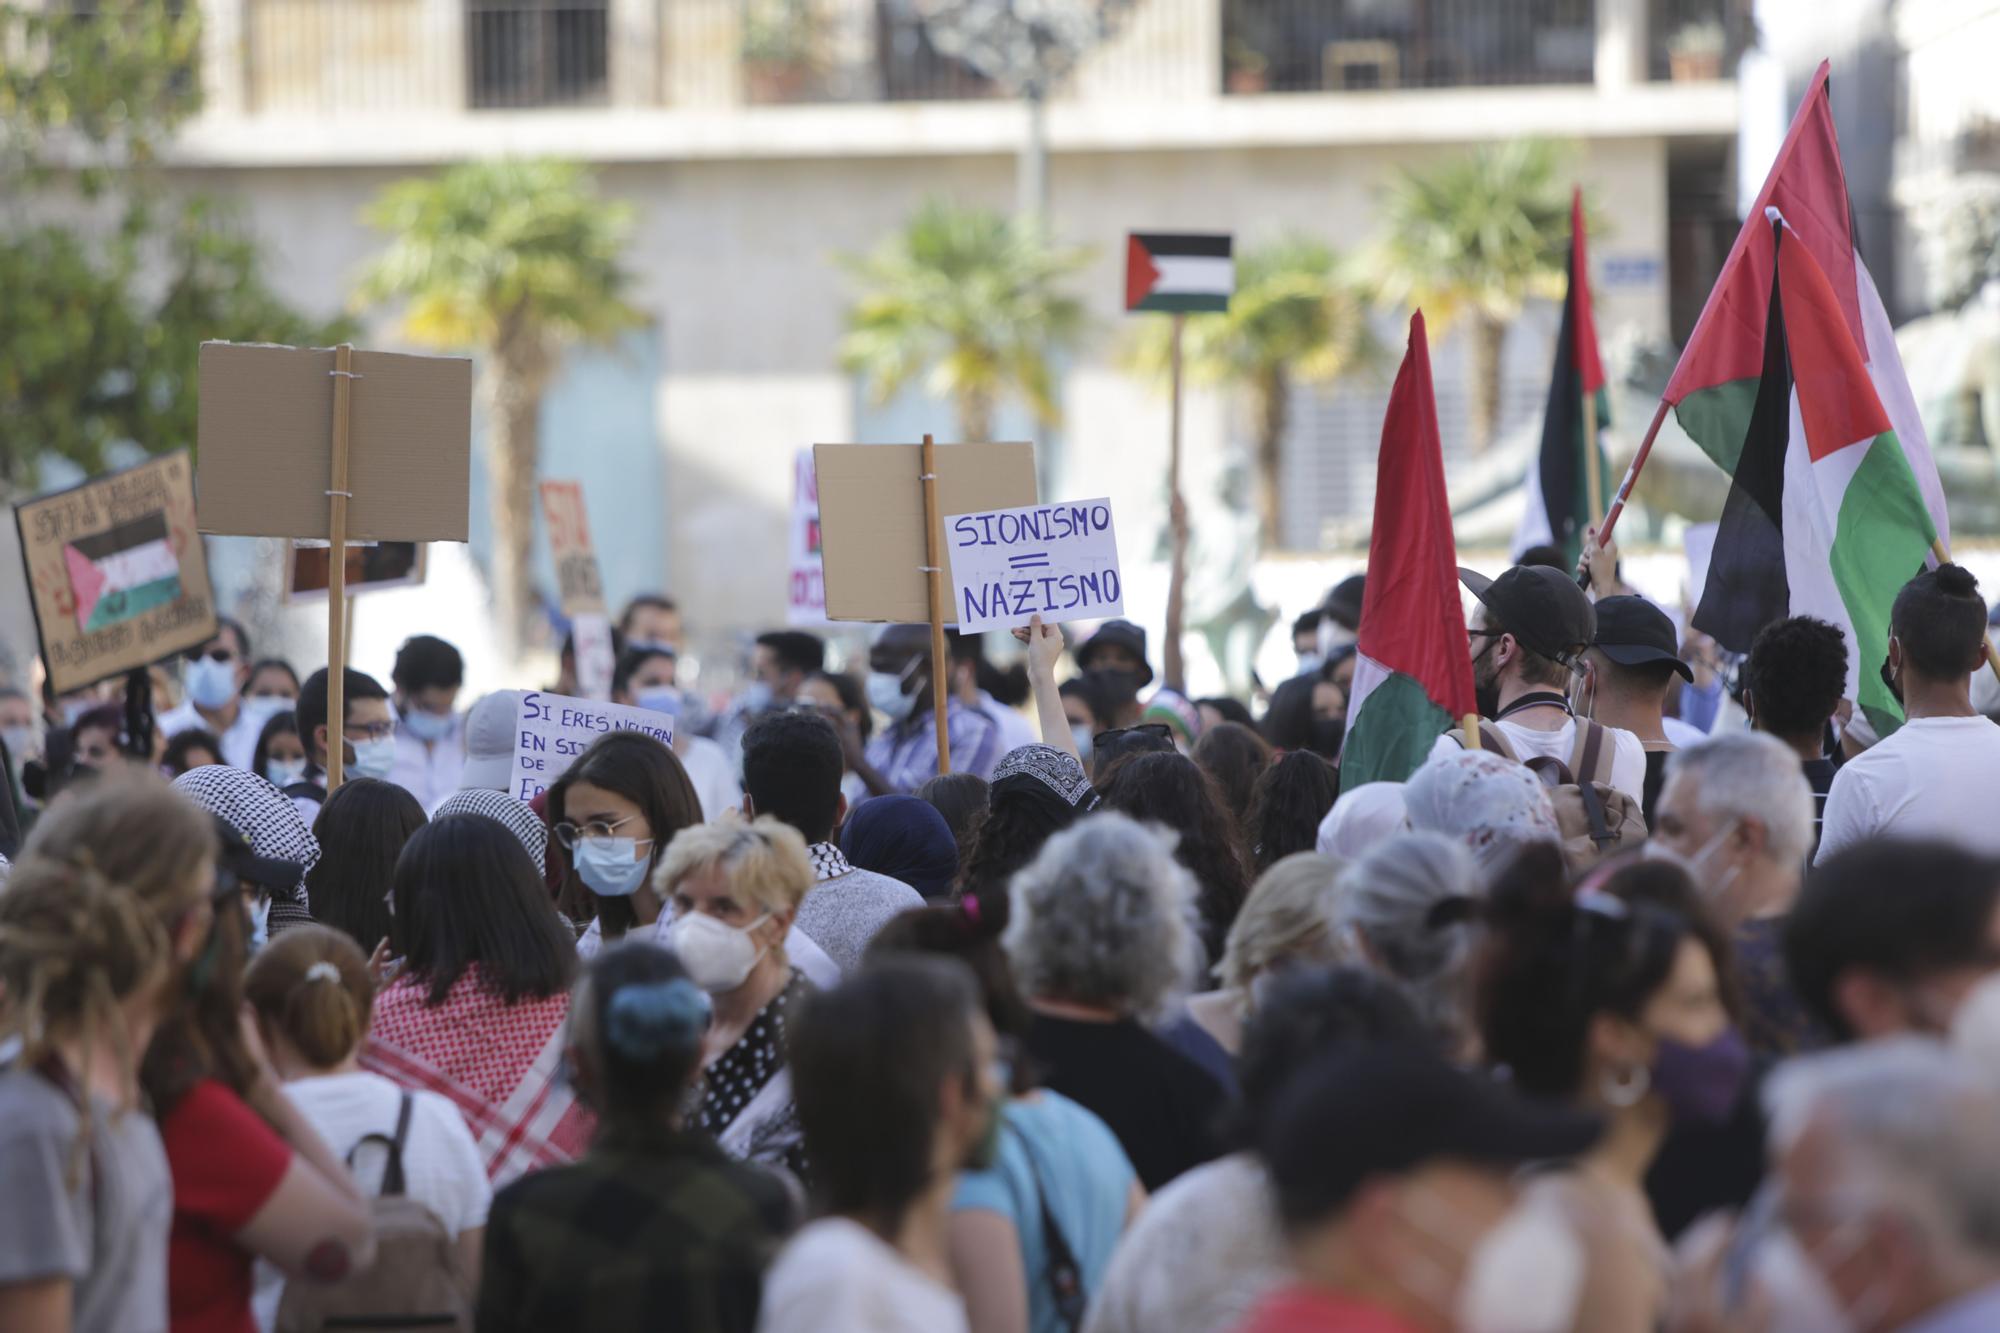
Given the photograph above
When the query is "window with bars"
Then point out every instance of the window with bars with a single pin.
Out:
(537, 53)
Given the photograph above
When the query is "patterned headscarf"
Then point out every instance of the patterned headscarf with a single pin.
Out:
(268, 821)
(518, 816)
(1054, 771)
(1494, 805)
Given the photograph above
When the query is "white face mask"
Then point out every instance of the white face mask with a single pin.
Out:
(718, 956)
(374, 759)
(885, 692)
(1707, 882)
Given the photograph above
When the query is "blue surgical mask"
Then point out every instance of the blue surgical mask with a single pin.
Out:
(374, 759)
(284, 772)
(426, 726)
(660, 699)
(211, 684)
(885, 692)
(759, 697)
(1084, 737)
(610, 867)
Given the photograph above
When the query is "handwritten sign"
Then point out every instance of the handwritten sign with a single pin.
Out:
(805, 600)
(116, 572)
(577, 577)
(554, 729)
(1056, 561)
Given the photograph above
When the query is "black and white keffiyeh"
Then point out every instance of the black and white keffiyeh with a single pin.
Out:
(518, 816)
(828, 863)
(1057, 770)
(267, 820)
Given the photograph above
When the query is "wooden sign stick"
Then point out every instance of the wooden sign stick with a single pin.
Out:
(336, 570)
(934, 577)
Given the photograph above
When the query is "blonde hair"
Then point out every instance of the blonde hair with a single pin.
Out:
(765, 860)
(1289, 913)
(312, 984)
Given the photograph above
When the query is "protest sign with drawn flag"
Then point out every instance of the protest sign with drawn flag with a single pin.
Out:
(1563, 498)
(1413, 677)
(1715, 386)
(1825, 516)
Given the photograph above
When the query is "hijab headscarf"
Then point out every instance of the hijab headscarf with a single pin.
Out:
(1492, 804)
(268, 821)
(519, 817)
(904, 838)
(1362, 820)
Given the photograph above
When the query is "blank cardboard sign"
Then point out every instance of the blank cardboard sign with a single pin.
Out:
(266, 432)
(871, 519)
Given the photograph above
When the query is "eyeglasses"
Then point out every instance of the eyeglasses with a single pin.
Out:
(1152, 731)
(569, 835)
(367, 731)
(213, 655)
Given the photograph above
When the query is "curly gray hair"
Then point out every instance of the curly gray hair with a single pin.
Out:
(1105, 916)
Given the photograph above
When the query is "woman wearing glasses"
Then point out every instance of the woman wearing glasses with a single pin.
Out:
(1613, 999)
(611, 816)
(477, 1012)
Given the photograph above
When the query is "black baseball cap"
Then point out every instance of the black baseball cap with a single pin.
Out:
(1117, 634)
(1542, 607)
(1374, 1109)
(1631, 631)
(237, 859)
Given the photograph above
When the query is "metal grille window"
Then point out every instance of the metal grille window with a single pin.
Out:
(530, 53)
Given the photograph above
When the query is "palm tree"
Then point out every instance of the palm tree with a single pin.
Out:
(1473, 240)
(970, 302)
(1296, 318)
(514, 259)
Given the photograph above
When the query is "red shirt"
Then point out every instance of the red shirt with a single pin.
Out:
(226, 1164)
(1303, 1309)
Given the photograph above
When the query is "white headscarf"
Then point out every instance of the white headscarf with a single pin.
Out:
(1494, 805)
(1362, 820)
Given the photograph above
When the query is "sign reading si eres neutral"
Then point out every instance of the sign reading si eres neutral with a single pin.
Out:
(1056, 561)
(554, 729)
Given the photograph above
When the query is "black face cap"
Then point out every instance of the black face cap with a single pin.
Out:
(1541, 607)
(1631, 631)
(239, 859)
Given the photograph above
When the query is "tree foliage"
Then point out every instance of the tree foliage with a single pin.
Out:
(971, 304)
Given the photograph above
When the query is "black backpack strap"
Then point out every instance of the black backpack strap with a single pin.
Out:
(392, 1171)
(1065, 1274)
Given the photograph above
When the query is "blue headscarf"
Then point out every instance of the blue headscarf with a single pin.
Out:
(904, 838)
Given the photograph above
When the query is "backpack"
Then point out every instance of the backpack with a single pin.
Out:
(1596, 819)
(415, 1282)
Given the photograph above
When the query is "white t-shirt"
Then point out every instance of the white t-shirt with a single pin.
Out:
(1934, 778)
(713, 776)
(837, 1276)
(442, 1168)
(1628, 752)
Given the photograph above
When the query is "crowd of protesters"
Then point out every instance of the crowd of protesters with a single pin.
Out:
(1674, 1004)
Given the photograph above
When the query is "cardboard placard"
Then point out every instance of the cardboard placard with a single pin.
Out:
(805, 589)
(369, 569)
(578, 580)
(1056, 561)
(871, 515)
(116, 572)
(553, 729)
(266, 430)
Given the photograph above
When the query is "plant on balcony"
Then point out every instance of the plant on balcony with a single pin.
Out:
(1297, 318)
(514, 260)
(1695, 51)
(1245, 70)
(1470, 241)
(782, 41)
(970, 304)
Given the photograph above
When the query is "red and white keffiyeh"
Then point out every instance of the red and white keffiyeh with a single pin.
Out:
(499, 1063)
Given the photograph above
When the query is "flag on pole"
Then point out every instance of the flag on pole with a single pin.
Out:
(1413, 676)
(122, 572)
(1559, 488)
(1180, 274)
(1715, 386)
(1825, 517)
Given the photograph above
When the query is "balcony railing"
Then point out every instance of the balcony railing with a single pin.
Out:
(318, 57)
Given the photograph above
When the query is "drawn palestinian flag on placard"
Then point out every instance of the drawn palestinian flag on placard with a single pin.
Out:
(123, 572)
(1180, 274)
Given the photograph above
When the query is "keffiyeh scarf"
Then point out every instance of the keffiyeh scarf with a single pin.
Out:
(518, 816)
(267, 819)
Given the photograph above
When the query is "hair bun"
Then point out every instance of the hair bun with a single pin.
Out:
(647, 1020)
(1957, 580)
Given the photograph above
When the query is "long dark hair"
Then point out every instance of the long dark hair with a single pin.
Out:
(361, 830)
(1235, 756)
(1172, 790)
(952, 933)
(650, 776)
(1018, 820)
(1290, 799)
(465, 893)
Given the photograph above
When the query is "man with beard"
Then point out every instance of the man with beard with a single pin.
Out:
(1528, 636)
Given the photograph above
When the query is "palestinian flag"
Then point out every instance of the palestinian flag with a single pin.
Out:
(122, 572)
(1559, 488)
(1715, 386)
(1824, 517)
(1178, 274)
(1413, 678)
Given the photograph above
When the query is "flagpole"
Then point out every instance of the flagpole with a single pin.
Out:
(1631, 475)
(1944, 558)
(1174, 668)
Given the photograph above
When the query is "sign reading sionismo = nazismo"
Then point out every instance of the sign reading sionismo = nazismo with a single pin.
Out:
(1056, 561)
